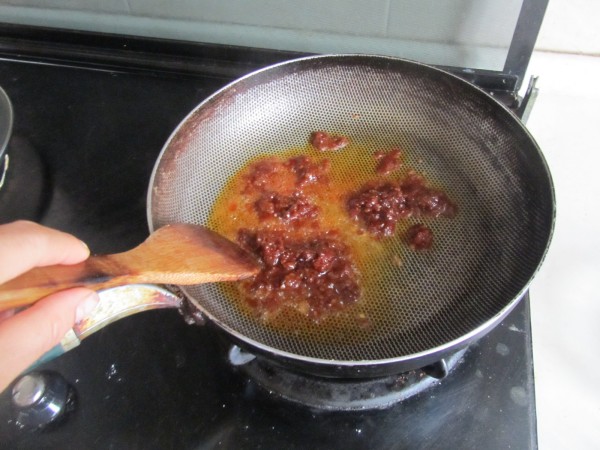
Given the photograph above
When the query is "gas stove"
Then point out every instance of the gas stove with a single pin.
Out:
(92, 112)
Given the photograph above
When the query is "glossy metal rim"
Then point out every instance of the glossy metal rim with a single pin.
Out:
(6, 120)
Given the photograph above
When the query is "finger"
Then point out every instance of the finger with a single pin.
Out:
(7, 313)
(29, 334)
(24, 245)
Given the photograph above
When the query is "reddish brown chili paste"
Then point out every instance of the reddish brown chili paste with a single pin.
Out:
(324, 141)
(287, 208)
(285, 177)
(425, 201)
(387, 162)
(419, 237)
(310, 272)
(379, 207)
(315, 223)
(314, 275)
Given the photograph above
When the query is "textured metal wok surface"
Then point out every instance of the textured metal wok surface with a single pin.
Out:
(463, 140)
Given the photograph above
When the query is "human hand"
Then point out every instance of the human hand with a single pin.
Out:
(28, 334)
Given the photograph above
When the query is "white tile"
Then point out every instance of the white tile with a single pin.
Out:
(571, 26)
(565, 297)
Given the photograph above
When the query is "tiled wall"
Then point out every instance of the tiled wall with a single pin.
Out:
(404, 27)
(471, 33)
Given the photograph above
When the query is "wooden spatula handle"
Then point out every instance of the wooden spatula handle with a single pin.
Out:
(97, 272)
(180, 254)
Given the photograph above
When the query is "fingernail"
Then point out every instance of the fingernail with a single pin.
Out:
(86, 306)
(85, 246)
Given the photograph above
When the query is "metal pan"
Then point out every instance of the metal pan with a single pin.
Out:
(485, 258)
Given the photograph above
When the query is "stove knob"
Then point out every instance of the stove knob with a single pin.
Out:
(41, 399)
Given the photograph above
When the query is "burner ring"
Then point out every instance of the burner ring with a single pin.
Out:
(336, 394)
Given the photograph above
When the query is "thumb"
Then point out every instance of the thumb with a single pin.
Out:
(28, 335)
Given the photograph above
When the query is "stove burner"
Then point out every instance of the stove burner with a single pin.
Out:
(335, 394)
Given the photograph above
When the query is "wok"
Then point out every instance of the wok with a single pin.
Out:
(435, 304)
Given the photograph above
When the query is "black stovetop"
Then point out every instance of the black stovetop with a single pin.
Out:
(151, 381)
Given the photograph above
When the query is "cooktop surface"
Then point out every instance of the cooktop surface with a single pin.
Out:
(84, 142)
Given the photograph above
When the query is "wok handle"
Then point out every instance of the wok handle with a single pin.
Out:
(115, 303)
(97, 272)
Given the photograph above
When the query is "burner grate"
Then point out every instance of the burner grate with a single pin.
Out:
(335, 394)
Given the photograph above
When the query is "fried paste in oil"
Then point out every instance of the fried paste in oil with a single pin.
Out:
(313, 208)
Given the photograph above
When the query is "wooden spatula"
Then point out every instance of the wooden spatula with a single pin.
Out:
(180, 254)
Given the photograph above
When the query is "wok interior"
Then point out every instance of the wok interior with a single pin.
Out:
(461, 139)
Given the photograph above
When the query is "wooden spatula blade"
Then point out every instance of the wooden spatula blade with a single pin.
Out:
(193, 254)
